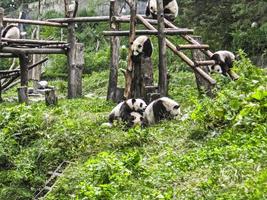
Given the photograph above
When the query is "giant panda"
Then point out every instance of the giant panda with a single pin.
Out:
(11, 32)
(124, 109)
(170, 9)
(224, 59)
(159, 109)
(141, 45)
(135, 119)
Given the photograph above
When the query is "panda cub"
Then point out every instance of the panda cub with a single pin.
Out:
(126, 110)
(135, 119)
(141, 45)
(11, 32)
(170, 9)
(159, 109)
(224, 60)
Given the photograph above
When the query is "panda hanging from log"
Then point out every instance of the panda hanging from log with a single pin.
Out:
(223, 62)
(170, 9)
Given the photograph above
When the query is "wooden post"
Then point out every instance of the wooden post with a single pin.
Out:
(115, 52)
(1, 23)
(75, 62)
(147, 71)
(24, 61)
(76, 58)
(23, 94)
(163, 86)
(129, 72)
(1, 91)
(202, 84)
(50, 97)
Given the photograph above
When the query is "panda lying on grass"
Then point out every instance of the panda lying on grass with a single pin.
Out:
(130, 112)
(160, 109)
(135, 112)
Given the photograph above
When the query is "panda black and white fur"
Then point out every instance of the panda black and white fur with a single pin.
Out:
(11, 32)
(159, 109)
(225, 61)
(124, 109)
(170, 9)
(214, 69)
(141, 45)
(135, 119)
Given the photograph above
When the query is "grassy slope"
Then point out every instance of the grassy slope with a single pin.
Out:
(220, 151)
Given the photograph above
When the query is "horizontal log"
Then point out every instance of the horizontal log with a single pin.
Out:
(27, 41)
(35, 22)
(126, 19)
(81, 19)
(33, 50)
(192, 46)
(148, 32)
(204, 62)
(7, 55)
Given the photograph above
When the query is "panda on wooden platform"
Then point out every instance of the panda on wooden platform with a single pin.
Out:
(127, 111)
(141, 46)
(159, 109)
(11, 32)
(170, 9)
(223, 62)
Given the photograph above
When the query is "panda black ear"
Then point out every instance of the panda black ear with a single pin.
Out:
(133, 101)
(141, 118)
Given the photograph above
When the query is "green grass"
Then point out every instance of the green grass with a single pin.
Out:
(218, 152)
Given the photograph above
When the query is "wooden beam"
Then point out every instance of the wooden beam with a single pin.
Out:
(33, 50)
(80, 19)
(148, 32)
(162, 83)
(204, 62)
(129, 72)
(115, 53)
(7, 55)
(1, 23)
(23, 62)
(27, 41)
(34, 22)
(126, 19)
(192, 46)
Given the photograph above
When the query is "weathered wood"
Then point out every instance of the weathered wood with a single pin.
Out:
(126, 19)
(28, 41)
(81, 19)
(148, 32)
(202, 85)
(180, 54)
(1, 92)
(23, 94)
(76, 65)
(1, 23)
(192, 46)
(7, 55)
(204, 62)
(35, 22)
(163, 86)
(114, 51)
(50, 97)
(129, 72)
(23, 62)
(147, 71)
(16, 50)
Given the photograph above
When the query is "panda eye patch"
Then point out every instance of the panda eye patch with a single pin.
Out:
(139, 45)
(141, 104)
(176, 107)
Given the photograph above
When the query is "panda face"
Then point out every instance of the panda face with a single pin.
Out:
(138, 45)
(135, 119)
(153, 7)
(141, 45)
(215, 69)
(137, 105)
(171, 106)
